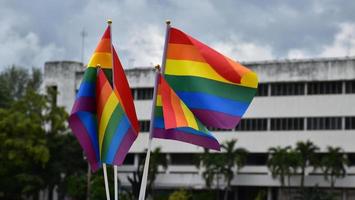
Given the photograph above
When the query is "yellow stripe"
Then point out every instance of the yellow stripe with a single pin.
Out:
(109, 107)
(200, 69)
(189, 116)
(104, 59)
(159, 103)
(250, 79)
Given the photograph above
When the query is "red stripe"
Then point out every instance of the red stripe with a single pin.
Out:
(103, 91)
(107, 33)
(168, 109)
(178, 37)
(122, 90)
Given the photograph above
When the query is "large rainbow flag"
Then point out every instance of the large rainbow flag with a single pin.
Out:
(174, 120)
(215, 88)
(103, 117)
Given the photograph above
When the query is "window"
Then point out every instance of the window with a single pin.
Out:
(218, 129)
(349, 122)
(54, 89)
(350, 86)
(129, 160)
(257, 124)
(324, 123)
(351, 157)
(263, 90)
(142, 93)
(144, 125)
(281, 89)
(256, 159)
(183, 159)
(278, 124)
(329, 87)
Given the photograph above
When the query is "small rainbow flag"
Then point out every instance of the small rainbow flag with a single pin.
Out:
(116, 135)
(215, 88)
(173, 120)
(104, 123)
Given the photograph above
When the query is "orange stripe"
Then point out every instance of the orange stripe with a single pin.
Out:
(179, 113)
(105, 92)
(184, 52)
(104, 46)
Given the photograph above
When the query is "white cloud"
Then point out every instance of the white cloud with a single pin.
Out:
(24, 49)
(343, 44)
(144, 48)
(243, 51)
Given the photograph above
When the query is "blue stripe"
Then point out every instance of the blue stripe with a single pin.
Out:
(87, 89)
(90, 123)
(121, 131)
(159, 123)
(196, 100)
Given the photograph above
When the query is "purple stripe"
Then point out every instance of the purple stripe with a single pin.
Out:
(82, 136)
(174, 134)
(216, 119)
(124, 147)
(87, 104)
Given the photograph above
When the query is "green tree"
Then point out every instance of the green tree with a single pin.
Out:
(23, 147)
(15, 82)
(181, 194)
(307, 152)
(231, 157)
(222, 164)
(333, 164)
(157, 159)
(278, 163)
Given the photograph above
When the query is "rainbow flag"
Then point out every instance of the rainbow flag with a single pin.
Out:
(116, 135)
(92, 112)
(173, 120)
(215, 88)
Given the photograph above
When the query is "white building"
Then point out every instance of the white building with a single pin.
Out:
(298, 100)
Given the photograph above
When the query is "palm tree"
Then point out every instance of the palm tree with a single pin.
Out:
(278, 163)
(217, 164)
(334, 164)
(307, 151)
(231, 157)
(156, 159)
(293, 161)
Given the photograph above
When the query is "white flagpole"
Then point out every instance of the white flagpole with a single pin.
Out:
(151, 127)
(106, 182)
(116, 181)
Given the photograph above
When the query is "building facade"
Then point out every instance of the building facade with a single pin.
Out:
(297, 100)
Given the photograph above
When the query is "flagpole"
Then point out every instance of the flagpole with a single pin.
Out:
(115, 178)
(116, 181)
(151, 127)
(106, 182)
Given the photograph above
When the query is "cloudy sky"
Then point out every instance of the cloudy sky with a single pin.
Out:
(33, 32)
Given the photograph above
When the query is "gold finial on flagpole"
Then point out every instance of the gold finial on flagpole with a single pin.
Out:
(168, 22)
(109, 21)
(157, 67)
(98, 66)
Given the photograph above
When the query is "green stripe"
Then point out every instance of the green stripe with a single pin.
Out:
(201, 127)
(111, 129)
(108, 73)
(158, 111)
(197, 84)
(90, 74)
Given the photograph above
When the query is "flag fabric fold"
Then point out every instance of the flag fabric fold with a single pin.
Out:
(173, 120)
(103, 117)
(116, 134)
(215, 88)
